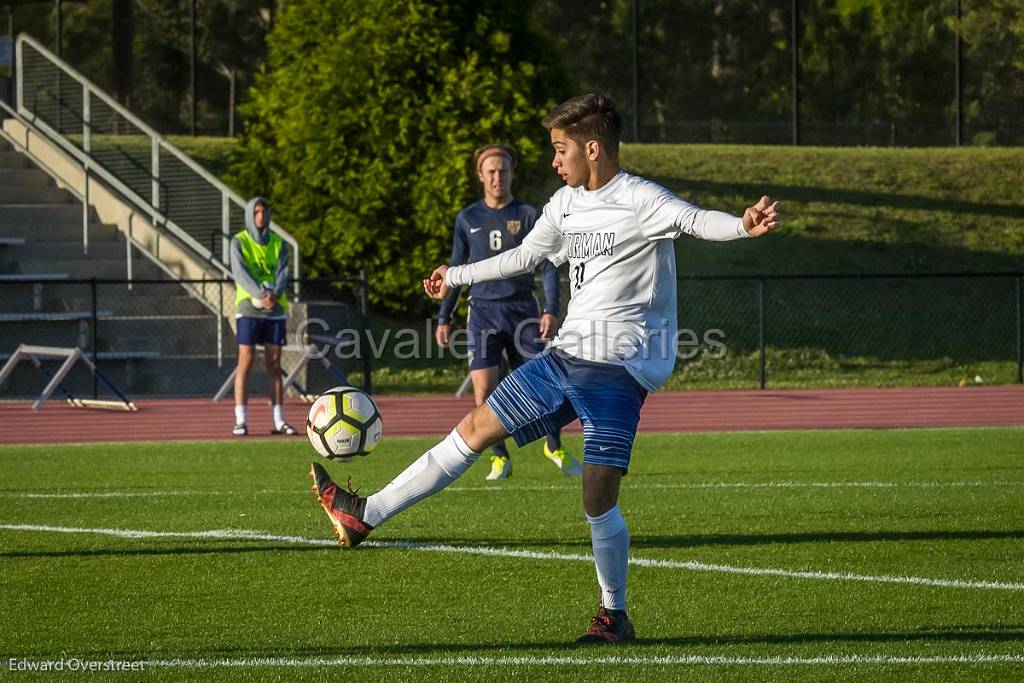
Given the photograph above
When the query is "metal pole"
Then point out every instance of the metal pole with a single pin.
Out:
(795, 50)
(19, 77)
(60, 30)
(92, 339)
(958, 133)
(636, 71)
(760, 329)
(86, 116)
(154, 167)
(192, 63)
(128, 257)
(1020, 332)
(220, 324)
(364, 314)
(13, 66)
(225, 229)
(60, 55)
(231, 104)
(85, 209)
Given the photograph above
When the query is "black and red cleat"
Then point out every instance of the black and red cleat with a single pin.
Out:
(609, 626)
(344, 508)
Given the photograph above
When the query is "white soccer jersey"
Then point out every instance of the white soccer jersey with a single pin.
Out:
(622, 269)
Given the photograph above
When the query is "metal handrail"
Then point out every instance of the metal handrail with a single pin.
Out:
(84, 198)
(157, 142)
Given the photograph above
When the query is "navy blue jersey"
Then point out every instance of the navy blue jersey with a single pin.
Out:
(482, 232)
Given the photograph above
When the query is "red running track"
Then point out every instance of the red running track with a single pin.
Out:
(690, 411)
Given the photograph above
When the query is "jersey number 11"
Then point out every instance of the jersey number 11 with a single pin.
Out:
(577, 276)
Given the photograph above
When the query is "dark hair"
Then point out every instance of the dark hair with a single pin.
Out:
(588, 117)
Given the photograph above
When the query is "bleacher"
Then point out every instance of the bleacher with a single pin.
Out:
(146, 335)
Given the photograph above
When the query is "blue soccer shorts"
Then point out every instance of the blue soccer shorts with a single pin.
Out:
(497, 326)
(263, 331)
(552, 390)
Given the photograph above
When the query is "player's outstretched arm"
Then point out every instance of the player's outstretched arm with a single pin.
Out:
(761, 218)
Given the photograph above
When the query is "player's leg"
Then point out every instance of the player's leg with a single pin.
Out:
(273, 337)
(354, 517)
(484, 382)
(608, 401)
(246, 355)
(524, 405)
(527, 344)
(271, 355)
(485, 369)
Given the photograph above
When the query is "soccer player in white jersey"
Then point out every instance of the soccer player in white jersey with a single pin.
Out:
(617, 343)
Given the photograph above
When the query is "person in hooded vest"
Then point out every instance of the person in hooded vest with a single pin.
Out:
(259, 266)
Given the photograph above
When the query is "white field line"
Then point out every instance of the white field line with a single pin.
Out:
(763, 485)
(136, 494)
(539, 487)
(665, 660)
(245, 535)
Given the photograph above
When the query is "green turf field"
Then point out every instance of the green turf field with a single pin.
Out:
(853, 555)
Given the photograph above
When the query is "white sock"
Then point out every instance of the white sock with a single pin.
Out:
(278, 412)
(241, 414)
(610, 540)
(432, 471)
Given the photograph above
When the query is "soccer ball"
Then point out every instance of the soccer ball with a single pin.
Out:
(343, 422)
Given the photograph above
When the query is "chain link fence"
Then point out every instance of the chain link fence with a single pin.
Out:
(878, 330)
(159, 338)
(176, 339)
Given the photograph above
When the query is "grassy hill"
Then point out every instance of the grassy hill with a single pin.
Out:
(846, 211)
(851, 210)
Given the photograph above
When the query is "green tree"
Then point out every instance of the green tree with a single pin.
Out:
(993, 35)
(361, 126)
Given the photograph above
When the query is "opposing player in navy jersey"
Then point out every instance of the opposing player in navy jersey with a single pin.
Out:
(618, 341)
(503, 314)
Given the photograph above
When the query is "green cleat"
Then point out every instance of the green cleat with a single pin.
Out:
(501, 467)
(569, 465)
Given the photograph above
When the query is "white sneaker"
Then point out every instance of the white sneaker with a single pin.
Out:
(501, 467)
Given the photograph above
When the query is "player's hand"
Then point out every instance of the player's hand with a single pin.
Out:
(442, 334)
(761, 218)
(266, 301)
(434, 285)
(548, 326)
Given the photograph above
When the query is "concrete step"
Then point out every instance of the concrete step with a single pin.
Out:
(41, 214)
(25, 178)
(58, 250)
(123, 302)
(182, 335)
(34, 193)
(61, 232)
(113, 268)
(186, 334)
(47, 297)
(44, 333)
(12, 159)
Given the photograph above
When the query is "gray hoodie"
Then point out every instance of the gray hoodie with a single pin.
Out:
(244, 279)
